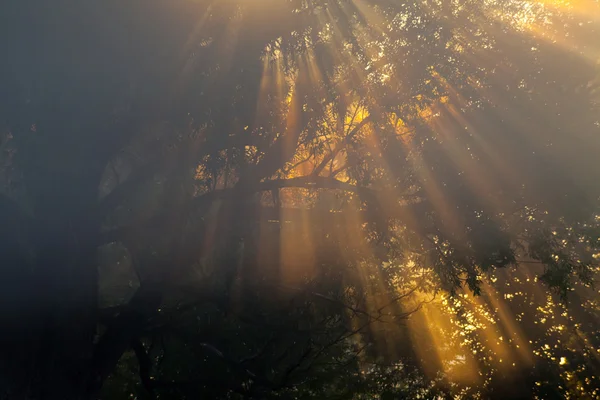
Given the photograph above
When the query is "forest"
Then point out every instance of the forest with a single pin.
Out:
(299, 199)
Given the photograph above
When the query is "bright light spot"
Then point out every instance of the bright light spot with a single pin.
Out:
(563, 361)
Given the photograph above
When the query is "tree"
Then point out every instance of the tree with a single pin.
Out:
(289, 181)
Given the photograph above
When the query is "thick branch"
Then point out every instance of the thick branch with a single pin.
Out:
(149, 170)
(310, 182)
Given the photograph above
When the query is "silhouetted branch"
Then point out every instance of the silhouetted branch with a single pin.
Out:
(311, 182)
(290, 369)
(406, 212)
(340, 146)
(145, 364)
(123, 330)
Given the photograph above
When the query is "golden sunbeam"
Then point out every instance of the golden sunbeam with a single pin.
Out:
(358, 199)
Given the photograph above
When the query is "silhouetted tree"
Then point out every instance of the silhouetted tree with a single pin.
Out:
(287, 181)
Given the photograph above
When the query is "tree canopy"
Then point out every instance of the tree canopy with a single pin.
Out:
(299, 199)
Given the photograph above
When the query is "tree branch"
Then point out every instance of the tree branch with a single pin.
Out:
(340, 146)
(310, 182)
(145, 365)
(122, 331)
